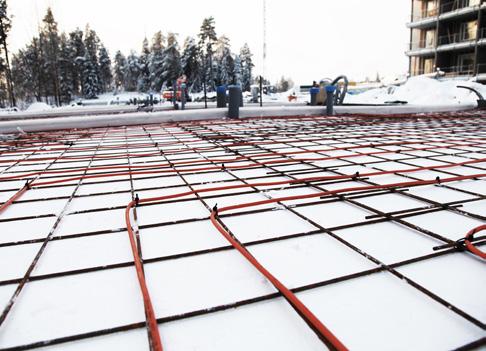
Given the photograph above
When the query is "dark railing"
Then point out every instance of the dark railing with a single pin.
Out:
(457, 5)
(456, 38)
(453, 71)
(461, 70)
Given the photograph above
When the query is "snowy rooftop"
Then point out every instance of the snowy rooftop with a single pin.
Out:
(343, 211)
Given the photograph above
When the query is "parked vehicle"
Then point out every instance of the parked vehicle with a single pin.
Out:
(168, 95)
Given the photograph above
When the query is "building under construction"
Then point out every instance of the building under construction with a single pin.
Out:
(449, 37)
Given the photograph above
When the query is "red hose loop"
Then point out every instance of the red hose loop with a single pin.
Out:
(469, 245)
(147, 302)
(318, 326)
(325, 333)
(17, 195)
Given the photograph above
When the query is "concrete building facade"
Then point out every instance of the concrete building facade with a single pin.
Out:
(449, 37)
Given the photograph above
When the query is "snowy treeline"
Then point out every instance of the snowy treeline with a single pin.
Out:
(57, 67)
(205, 59)
(5, 73)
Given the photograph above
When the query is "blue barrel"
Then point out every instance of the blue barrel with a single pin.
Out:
(221, 96)
(330, 88)
(313, 95)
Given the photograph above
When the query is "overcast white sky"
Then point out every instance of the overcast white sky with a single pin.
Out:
(306, 39)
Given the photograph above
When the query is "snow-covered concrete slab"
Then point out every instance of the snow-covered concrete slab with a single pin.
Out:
(446, 223)
(389, 242)
(381, 311)
(267, 225)
(334, 214)
(462, 285)
(264, 326)
(65, 306)
(78, 284)
(200, 282)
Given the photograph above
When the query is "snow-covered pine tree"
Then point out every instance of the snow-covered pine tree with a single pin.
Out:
(90, 77)
(207, 39)
(50, 51)
(144, 62)
(22, 78)
(106, 76)
(171, 64)
(65, 71)
(225, 69)
(91, 42)
(76, 49)
(156, 61)
(35, 60)
(35, 63)
(284, 84)
(132, 72)
(237, 71)
(190, 63)
(246, 67)
(120, 70)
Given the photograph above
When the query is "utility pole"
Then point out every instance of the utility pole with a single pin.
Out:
(264, 36)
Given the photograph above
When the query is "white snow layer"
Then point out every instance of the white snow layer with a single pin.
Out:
(421, 91)
(39, 106)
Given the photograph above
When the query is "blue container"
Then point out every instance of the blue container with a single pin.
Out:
(221, 96)
(313, 95)
(330, 88)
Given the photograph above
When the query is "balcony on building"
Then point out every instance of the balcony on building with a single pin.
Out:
(459, 8)
(424, 13)
(420, 48)
(457, 35)
(423, 42)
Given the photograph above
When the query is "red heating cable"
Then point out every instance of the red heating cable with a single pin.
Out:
(147, 302)
(229, 161)
(469, 244)
(298, 305)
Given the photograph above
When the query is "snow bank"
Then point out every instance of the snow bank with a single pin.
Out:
(422, 91)
(39, 106)
(8, 110)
